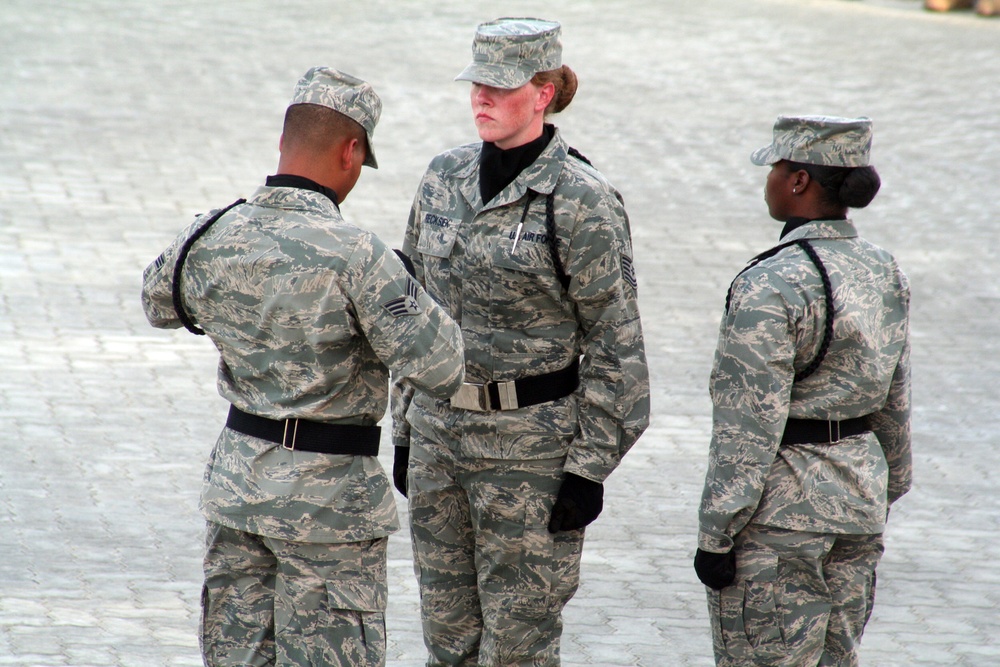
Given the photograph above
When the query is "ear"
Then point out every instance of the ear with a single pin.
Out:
(281, 142)
(350, 154)
(799, 181)
(545, 95)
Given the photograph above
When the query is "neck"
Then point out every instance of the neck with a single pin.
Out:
(498, 168)
(530, 133)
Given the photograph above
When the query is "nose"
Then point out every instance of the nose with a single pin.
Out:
(481, 94)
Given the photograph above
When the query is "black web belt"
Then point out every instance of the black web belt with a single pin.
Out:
(821, 431)
(514, 394)
(308, 436)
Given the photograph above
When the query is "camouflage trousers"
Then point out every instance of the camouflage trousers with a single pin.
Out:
(493, 580)
(799, 599)
(270, 602)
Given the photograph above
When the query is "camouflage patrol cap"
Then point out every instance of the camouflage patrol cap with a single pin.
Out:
(821, 140)
(342, 92)
(507, 52)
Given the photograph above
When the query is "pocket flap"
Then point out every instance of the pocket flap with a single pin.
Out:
(356, 595)
(437, 235)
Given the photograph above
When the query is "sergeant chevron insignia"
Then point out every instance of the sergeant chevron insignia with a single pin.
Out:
(406, 304)
(628, 271)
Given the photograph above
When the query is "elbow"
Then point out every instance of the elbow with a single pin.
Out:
(447, 389)
(444, 385)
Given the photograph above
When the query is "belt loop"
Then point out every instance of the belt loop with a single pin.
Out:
(295, 432)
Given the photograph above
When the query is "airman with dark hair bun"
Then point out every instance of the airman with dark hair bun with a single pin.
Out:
(811, 413)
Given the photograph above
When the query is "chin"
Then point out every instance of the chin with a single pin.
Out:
(486, 135)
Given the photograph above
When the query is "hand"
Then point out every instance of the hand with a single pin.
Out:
(715, 570)
(578, 503)
(400, 462)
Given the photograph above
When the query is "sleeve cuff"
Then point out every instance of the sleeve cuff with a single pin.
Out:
(714, 543)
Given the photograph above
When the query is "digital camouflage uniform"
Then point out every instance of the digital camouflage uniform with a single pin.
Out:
(806, 519)
(493, 580)
(308, 313)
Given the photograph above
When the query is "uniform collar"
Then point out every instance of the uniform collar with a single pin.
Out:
(498, 167)
(819, 229)
(540, 176)
(295, 181)
(295, 198)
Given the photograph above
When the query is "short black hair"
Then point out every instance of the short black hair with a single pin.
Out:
(316, 127)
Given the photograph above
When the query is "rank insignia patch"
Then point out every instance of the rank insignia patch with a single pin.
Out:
(628, 271)
(406, 304)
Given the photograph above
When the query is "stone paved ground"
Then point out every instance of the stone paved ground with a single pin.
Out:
(121, 119)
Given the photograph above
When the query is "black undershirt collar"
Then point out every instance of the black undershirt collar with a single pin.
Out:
(293, 181)
(498, 167)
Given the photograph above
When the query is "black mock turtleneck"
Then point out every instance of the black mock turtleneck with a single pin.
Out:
(498, 168)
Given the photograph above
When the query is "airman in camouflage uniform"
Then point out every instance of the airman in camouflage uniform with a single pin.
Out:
(503, 478)
(811, 421)
(309, 313)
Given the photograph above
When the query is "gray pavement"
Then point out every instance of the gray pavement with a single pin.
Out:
(121, 119)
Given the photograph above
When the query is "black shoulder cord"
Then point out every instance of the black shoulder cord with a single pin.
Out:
(550, 231)
(824, 345)
(179, 265)
(550, 226)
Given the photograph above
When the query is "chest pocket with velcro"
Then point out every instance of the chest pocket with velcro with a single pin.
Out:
(437, 235)
(529, 255)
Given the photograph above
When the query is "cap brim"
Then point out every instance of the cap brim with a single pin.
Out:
(765, 156)
(491, 75)
(370, 160)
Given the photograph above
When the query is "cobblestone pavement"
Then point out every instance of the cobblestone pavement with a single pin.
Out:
(121, 119)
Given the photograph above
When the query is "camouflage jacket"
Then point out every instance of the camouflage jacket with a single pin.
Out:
(307, 311)
(517, 319)
(773, 329)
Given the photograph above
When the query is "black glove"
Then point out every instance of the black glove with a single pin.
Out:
(400, 461)
(715, 570)
(578, 503)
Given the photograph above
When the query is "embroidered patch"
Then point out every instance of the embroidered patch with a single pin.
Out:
(406, 304)
(628, 271)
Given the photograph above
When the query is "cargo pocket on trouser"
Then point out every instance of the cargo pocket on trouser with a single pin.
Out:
(750, 618)
(237, 604)
(341, 625)
(363, 603)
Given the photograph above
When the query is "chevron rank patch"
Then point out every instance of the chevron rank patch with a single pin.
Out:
(406, 304)
(628, 271)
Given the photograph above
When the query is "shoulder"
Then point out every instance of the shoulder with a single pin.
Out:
(881, 262)
(582, 180)
(786, 262)
(309, 223)
(775, 280)
(455, 160)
